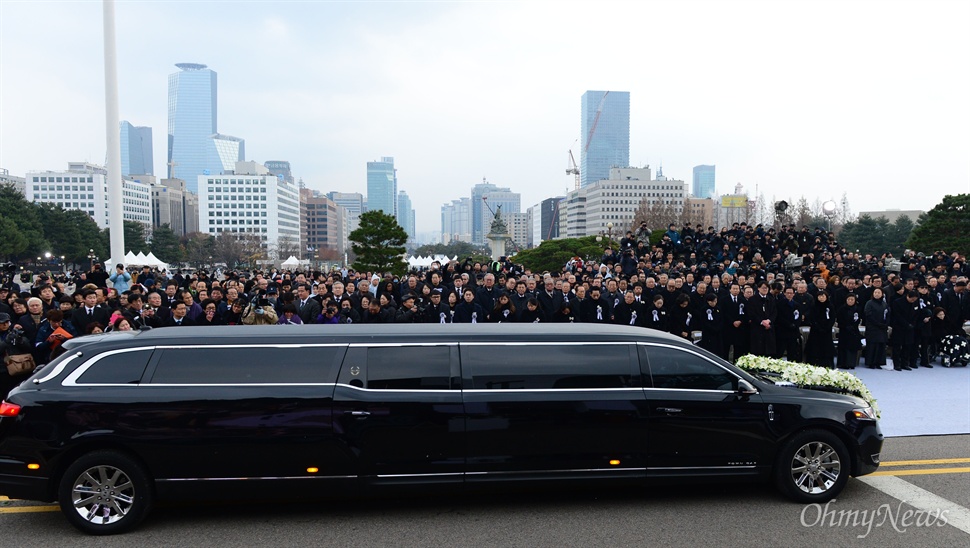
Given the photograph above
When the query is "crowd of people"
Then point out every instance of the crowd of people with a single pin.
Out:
(735, 291)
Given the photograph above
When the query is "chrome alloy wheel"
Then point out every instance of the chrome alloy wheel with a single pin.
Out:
(815, 467)
(103, 495)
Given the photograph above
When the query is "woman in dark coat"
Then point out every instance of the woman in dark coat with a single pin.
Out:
(504, 311)
(680, 317)
(877, 329)
(468, 311)
(712, 323)
(850, 339)
(820, 348)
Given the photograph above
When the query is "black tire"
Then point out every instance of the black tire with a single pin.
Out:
(812, 467)
(105, 493)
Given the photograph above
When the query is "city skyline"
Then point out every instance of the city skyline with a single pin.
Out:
(457, 92)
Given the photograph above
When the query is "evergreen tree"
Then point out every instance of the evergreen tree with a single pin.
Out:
(165, 245)
(552, 255)
(21, 230)
(134, 238)
(945, 227)
(379, 244)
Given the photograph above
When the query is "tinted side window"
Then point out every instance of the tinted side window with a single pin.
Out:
(511, 367)
(119, 368)
(409, 368)
(246, 365)
(674, 368)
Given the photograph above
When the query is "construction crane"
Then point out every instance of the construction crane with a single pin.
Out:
(572, 168)
(596, 120)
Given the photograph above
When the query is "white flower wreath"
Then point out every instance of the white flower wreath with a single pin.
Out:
(804, 375)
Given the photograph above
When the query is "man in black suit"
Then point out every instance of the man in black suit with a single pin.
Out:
(307, 307)
(735, 336)
(762, 311)
(956, 303)
(178, 318)
(89, 313)
(550, 301)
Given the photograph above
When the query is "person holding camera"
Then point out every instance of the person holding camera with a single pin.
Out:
(120, 279)
(12, 343)
(260, 311)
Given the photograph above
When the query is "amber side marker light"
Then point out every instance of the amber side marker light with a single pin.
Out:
(9, 409)
(33, 466)
(615, 462)
(312, 470)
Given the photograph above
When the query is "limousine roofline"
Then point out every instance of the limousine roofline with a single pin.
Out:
(406, 333)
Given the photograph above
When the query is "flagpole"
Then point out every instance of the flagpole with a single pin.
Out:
(113, 130)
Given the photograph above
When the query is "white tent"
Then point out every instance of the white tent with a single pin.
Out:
(131, 259)
(156, 262)
(291, 262)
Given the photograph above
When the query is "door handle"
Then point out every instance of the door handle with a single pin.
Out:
(357, 413)
(669, 410)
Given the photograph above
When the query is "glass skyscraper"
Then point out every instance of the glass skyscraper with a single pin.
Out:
(703, 186)
(222, 153)
(382, 186)
(405, 214)
(191, 121)
(136, 150)
(606, 134)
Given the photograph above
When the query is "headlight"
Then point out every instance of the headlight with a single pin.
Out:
(864, 413)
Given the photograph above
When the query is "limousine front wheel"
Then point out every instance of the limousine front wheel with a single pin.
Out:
(105, 492)
(813, 466)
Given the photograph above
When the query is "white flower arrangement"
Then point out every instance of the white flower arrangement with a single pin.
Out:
(804, 375)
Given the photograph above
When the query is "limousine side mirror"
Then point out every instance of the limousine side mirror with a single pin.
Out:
(745, 388)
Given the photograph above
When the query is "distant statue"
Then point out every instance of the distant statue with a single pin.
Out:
(498, 225)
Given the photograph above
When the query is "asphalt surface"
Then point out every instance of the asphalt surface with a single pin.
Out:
(697, 515)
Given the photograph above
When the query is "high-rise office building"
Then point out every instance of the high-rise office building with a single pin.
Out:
(322, 220)
(280, 168)
(545, 221)
(486, 199)
(136, 150)
(456, 221)
(605, 134)
(222, 153)
(382, 186)
(250, 201)
(703, 186)
(191, 121)
(405, 214)
(353, 203)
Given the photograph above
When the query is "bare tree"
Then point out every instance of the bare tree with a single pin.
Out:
(762, 214)
(802, 216)
(286, 246)
(234, 248)
(658, 214)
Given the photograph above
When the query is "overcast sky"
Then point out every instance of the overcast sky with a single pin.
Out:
(790, 98)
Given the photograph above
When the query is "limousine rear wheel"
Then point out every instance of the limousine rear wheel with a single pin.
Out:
(813, 466)
(105, 492)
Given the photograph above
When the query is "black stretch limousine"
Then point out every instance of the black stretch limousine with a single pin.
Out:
(121, 420)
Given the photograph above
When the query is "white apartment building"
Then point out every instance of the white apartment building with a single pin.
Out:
(456, 221)
(617, 199)
(518, 225)
(84, 186)
(249, 200)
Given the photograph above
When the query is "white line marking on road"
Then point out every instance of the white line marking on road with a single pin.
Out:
(956, 515)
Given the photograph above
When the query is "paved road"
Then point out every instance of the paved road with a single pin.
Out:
(723, 515)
